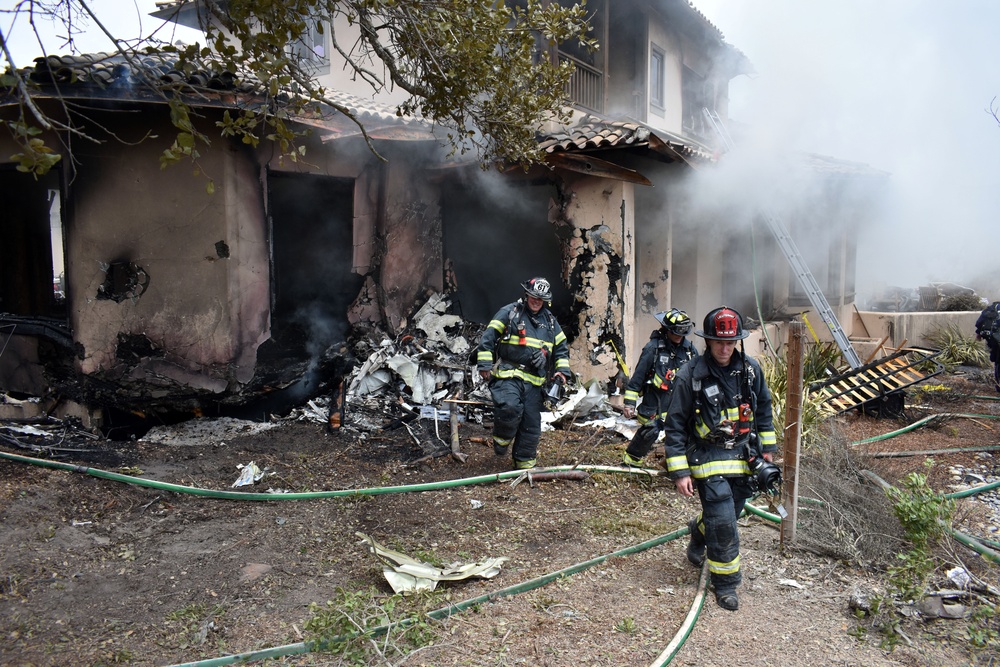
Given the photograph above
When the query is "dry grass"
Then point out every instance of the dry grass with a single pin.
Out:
(852, 520)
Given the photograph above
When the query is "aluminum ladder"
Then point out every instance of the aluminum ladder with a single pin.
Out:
(797, 262)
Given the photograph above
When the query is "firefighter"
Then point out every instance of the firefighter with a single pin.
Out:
(719, 420)
(667, 350)
(988, 330)
(522, 344)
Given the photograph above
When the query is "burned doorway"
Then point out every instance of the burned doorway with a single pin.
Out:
(312, 247)
(497, 235)
(32, 277)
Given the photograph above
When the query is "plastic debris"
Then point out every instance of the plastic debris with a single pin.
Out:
(959, 577)
(249, 475)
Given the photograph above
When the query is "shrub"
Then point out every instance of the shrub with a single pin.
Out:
(957, 348)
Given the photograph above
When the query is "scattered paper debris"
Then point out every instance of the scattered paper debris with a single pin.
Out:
(408, 575)
(959, 577)
(250, 474)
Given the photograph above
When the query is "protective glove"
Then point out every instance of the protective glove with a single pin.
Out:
(539, 359)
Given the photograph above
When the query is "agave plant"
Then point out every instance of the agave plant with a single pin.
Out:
(817, 364)
(957, 348)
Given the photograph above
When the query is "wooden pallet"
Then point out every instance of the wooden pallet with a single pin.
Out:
(876, 380)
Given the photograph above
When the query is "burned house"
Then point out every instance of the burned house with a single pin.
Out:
(130, 286)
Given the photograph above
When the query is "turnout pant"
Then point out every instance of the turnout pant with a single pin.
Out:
(517, 416)
(649, 416)
(722, 500)
(994, 348)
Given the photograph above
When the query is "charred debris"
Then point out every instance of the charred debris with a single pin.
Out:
(418, 383)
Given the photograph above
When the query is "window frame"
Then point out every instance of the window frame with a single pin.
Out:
(657, 77)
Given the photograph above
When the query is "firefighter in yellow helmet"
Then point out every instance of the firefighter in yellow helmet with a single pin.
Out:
(652, 380)
(522, 345)
(718, 431)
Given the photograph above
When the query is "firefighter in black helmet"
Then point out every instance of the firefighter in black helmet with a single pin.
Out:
(719, 422)
(652, 380)
(521, 346)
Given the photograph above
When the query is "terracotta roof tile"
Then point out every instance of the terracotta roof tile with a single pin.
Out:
(591, 133)
(115, 76)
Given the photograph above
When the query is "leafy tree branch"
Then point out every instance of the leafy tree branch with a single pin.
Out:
(479, 69)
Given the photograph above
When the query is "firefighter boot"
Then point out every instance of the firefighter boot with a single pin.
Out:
(525, 465)
(501, 447)
(728, 600)
(696, 545)
(630, 461)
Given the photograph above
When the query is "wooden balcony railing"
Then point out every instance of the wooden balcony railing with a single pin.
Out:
(586, 86)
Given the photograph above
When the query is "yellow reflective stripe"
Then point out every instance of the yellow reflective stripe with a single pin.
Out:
(502, 442)
(497, 325)
(560, 337)
(701, 429)
(768, 438)
(732, 414)
(732, 567)
(728, 467)
(518, 373)
(628, 459)
(631, 395)
(562, 364)
(675, 463)
(485, 355)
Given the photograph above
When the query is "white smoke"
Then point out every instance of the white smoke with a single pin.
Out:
(902, 85)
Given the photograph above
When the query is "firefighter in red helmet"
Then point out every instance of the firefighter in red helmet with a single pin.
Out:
(522, 345)
(718, 431)
(652, 380)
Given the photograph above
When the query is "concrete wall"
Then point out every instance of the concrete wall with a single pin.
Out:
(912, 329)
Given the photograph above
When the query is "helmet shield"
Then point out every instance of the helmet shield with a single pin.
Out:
(538, 288)
(675, 321)
(723, 324)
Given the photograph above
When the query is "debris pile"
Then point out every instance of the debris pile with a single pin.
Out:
(932, 297)
(425, 381)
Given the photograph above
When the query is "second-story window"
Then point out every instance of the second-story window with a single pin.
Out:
(656, 83)
(695, 96)
(311, 47)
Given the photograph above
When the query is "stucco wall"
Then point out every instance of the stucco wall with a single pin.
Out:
(599, 215)
(203, 252)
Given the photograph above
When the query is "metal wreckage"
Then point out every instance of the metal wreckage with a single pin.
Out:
(425, 382)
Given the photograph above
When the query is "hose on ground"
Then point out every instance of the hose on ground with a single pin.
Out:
(312, 495)
(445, 612)
(665, 657)
(922, 422)
(306, 647)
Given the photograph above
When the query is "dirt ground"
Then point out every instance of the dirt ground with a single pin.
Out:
(97, 571)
